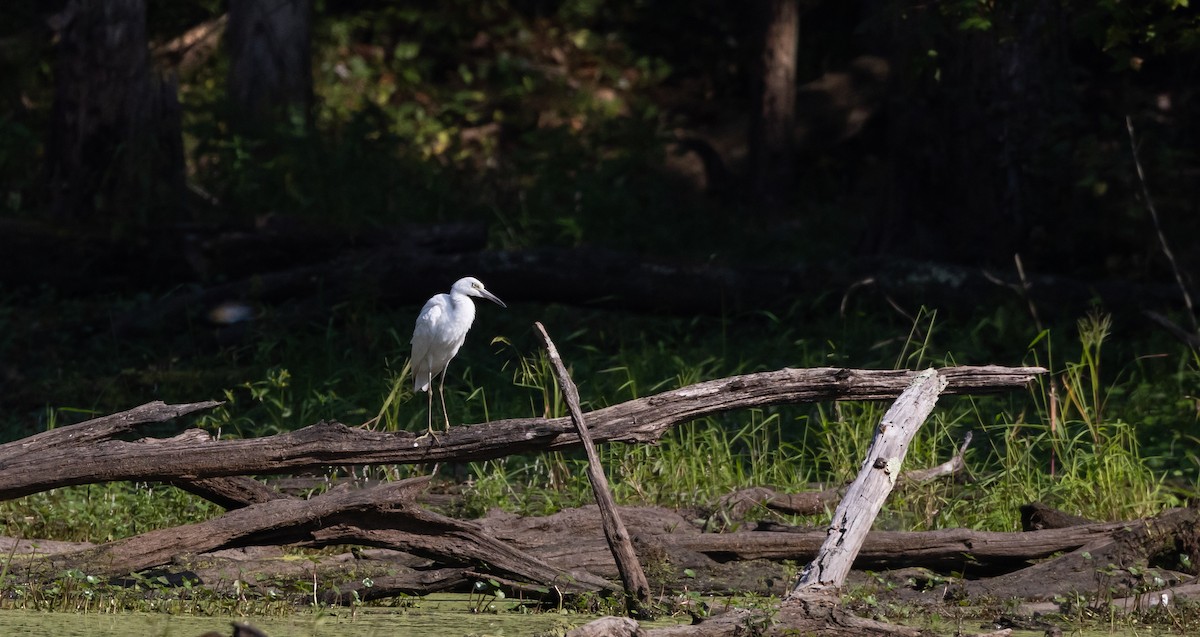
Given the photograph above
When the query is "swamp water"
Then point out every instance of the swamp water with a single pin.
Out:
(434, 616)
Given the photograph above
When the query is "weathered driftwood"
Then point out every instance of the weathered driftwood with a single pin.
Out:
(945, 550)
(808, 606)
(232, 492)
(386, 516)
(684, 557)
(382, 516)
(637, 589)
(1137, 545)
(573, 536)
(58, 458)
(864, 499)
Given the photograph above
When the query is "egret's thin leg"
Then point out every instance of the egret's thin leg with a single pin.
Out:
(429, 422)
(442, 393)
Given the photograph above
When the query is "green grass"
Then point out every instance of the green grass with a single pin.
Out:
(1113, 450)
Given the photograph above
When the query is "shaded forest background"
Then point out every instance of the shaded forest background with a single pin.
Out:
(768, 134)
(956, 131)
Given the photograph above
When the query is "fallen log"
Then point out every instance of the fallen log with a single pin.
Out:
(382, 516)
(573, 536)
(809, 606)
(86, 453)
(1131, 549)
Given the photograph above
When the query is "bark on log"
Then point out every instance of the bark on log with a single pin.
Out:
(637, 589)
(25, 470)
(233, 492)
(946, 550)
(573, 536)
(863, 500)
(383, 516)
(1139, 543)
(809, 607)
(99, 429)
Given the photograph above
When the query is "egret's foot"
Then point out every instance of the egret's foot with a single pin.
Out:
(429, 434)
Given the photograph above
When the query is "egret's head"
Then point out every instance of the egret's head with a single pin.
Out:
(474, 287)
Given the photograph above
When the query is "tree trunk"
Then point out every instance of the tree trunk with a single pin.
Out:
(270, 68)
(115, 146)
(771, 161)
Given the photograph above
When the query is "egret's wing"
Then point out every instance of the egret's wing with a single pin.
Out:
(424, 341)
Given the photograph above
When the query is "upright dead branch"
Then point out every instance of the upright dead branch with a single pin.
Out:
(856, 513)
(637, 588)
(1162, 238)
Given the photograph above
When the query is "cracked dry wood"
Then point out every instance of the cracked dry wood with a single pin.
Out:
(382, 516)
(633, 578)
(864, 498)
(56, 459)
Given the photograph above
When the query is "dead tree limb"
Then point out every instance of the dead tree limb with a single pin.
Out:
(808, 607)
(948, 468)
(637, 589)
(573, 536)
(853, 518)
(383, 516)
(945, 549)
(102, 428)
(57, 458)
(232, 492)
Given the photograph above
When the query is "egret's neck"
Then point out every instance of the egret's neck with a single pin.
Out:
(463, 306)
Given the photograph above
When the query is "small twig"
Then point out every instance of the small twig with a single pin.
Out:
(1192, 340)
(947, 468)
(1162, 238)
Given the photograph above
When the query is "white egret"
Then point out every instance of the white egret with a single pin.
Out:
(441, 329)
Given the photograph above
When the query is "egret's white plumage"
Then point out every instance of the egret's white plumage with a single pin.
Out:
(442, 327)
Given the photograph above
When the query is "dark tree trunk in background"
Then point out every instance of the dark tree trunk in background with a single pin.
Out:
(115, 147)
(270, 50)
(972, 170)
(772, 164)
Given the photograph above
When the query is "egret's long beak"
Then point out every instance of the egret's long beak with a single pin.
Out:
(492, 297)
